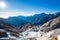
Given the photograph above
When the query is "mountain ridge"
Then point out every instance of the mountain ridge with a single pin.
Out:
(37, 19)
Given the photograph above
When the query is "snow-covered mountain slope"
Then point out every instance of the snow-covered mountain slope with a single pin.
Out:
(41, 35)
(51, 25)
(45, 32)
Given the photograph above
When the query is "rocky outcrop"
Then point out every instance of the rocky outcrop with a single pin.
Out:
(3, 34)
(51, 25)
(29, 27)
(25, 27)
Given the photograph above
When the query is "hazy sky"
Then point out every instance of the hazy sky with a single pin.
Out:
(28, 7)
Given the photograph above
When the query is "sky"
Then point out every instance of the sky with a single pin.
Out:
(28, 7)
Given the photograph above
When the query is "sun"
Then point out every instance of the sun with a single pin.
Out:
(2, 5)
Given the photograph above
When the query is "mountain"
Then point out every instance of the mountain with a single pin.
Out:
(25, 27)
(28, 31)
(29, 27)
(7, 28)
(15, 21)
(48, 31)
(51, 25)
(37, 19)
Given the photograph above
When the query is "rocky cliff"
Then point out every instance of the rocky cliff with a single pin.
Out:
(51, 25)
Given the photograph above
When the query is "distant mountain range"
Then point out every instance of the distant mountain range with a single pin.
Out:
(37, 19)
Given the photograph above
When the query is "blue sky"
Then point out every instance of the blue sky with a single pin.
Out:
(29, 7)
